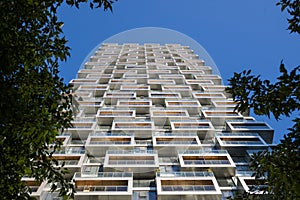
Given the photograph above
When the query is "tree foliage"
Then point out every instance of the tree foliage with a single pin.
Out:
(279, 167)
(280, 98)
(293, 8)
(35, 103)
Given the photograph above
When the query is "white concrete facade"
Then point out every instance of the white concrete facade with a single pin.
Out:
(153, 122)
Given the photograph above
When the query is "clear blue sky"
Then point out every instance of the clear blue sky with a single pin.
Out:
(237, 34)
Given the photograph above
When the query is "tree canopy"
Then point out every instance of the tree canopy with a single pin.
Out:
(280, 167)
(35, 103)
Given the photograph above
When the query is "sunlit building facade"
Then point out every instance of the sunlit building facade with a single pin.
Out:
(153, 122)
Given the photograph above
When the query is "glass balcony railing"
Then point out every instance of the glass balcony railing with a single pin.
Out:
(80, 127)
(185, 174)
(168, 114)
(242, 142)
(237, 134)
(131, 152)
(194, 188)
(131, 162)
(206, 162)
(220, 114)
(245, 173)
(70, 151)
(143, 142)
(133, 126)
(108, 174)
(191, 126)
(116, 114)
(110, 134)
(174, 134)
(202, 152)
(68, 162)
(87, 121)
(110, 142)
(255, 127)
(177, 142)
(102, 188)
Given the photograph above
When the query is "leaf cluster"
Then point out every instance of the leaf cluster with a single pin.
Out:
(293, 8)
(280, 98)
(35, 104)
(106, 4)
(281, 166)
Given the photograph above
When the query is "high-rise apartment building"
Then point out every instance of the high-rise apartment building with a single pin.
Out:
(153, 122)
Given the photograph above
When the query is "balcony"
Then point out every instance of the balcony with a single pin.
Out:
(183, 185)
(82, 94)
(95, 75)
(251, 185)
(227, 104)
(81, 129)
(83, 73)
(160, 97)
(196, 84)
(216, 88)
(162, 117)
(153, 74)
(155, 84)
(238, 143)
(97, 145)
(89, 106)
(220, 162)
(64, 139)
(192, 106)
(216, 79)
(207, 98)
(262, 128)
(140, 106)
(178, 78)
(224, 104)
(115, 84)
(118, 73)
(139, 66)
(173, 69)
(104, 78)
(140, 90)
(35, 187)
(140, 78)
(184, 90)
(168, 145)
(218, 117)
(95, 90)
(70, 151)
(111, 97)
(75, 83)
(189, 74)
(206, 69)
(203, 128)
(72, 162)
(106, 116)
(104, 186)
(142, 129)
(143, 164)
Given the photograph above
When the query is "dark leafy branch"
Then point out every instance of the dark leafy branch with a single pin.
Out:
(293, 8)
(281, 166)
(280, 98)
(106, 4)
(278, 168)
(35, 103)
